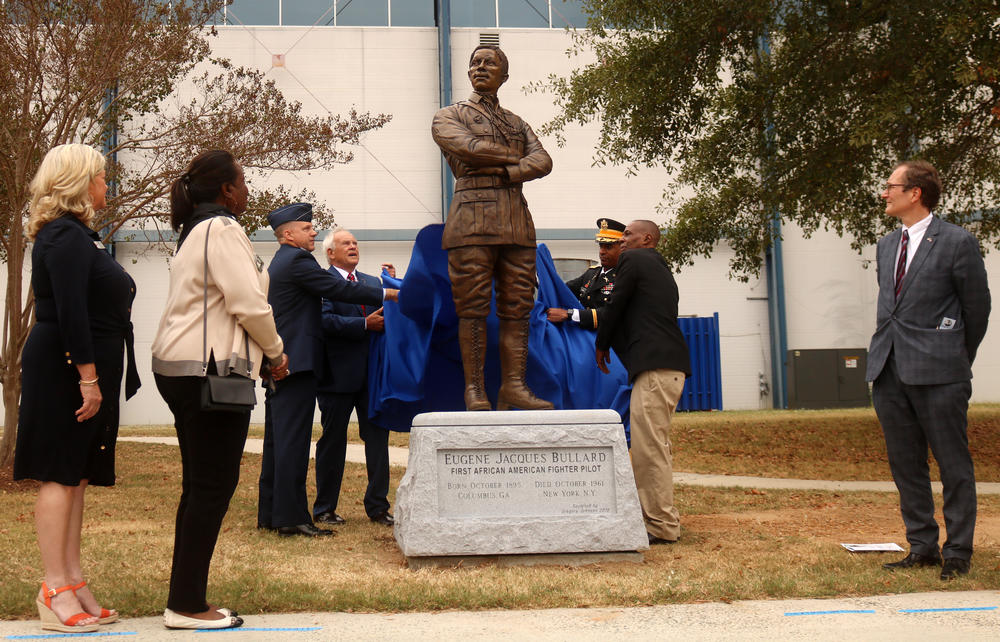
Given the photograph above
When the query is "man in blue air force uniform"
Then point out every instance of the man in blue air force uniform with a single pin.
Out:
(298, 285)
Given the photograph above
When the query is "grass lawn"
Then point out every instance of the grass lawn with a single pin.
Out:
(811, 444)
(735, 543)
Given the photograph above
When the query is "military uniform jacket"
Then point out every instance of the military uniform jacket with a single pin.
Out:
(488, 210)
(298, 286)
(594, 291)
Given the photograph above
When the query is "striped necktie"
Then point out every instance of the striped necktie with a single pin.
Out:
(901, 263)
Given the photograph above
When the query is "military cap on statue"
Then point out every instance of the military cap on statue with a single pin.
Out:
(609, 230)
(288, 213)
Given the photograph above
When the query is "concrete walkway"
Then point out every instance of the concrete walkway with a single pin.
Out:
(399, 457)
(914, 617)
(355, 452)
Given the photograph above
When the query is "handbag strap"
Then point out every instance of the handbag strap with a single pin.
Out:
(204, 317)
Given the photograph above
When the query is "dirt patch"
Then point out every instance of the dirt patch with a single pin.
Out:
(829, 523)
(8, 485)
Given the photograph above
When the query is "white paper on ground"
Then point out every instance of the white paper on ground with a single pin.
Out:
(872, 548)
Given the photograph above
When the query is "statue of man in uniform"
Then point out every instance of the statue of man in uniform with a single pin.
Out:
(489, 234)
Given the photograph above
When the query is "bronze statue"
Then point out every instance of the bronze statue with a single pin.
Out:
(489, 234)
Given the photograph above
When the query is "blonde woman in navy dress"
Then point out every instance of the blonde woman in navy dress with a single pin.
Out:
(71, 374)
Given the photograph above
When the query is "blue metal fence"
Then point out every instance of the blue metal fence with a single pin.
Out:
(703, 389)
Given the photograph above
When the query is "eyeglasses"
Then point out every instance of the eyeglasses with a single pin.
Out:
(889, 186)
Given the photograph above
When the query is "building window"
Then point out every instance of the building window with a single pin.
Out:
(568, 13)
(473, 13)
(252, 12)
(524, 13)
(405, 13)
(307, 12)
(411, 13)
(363, 13)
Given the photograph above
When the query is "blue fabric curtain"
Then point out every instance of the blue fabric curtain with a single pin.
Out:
(415, 366)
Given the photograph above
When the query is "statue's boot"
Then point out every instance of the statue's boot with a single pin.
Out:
(472, 342)
(514, 393)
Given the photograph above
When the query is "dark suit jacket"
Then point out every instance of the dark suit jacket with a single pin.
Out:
(594, 291)
(346, 340)
(640, 321)
(945, 280)
(298, 284)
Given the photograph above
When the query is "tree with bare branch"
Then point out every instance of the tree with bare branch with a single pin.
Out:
(106, 73)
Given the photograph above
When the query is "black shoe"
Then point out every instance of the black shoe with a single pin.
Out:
(914, 559)
(384, 518)
(330, 518)
(309, 530)
(653, 539)
(953, 567)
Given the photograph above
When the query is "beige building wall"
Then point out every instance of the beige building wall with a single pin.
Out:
(393, 187)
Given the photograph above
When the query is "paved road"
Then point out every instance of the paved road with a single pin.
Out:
(914, 617)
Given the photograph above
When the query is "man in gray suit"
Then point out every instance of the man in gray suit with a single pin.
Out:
(933, 307)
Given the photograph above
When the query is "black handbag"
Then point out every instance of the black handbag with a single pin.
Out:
(232, 392)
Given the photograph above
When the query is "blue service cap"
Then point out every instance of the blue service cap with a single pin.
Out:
(287, 213)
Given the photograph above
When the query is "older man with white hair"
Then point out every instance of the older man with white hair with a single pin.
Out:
(347, 329)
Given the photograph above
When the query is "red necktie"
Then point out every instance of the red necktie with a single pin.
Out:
(351, 277)
(901, 263)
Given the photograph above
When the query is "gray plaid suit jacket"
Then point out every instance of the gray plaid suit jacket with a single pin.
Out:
(946, 280)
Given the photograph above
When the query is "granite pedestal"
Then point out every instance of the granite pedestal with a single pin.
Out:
(518, 483)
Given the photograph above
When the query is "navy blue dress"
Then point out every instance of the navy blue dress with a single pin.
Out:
(83, 302)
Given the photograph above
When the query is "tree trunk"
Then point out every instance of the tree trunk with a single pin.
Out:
(11, 396)
(17, 322)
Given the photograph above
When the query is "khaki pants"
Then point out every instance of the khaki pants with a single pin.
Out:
(655, 394)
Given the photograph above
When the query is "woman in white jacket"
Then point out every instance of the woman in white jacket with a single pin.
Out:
(217, 304)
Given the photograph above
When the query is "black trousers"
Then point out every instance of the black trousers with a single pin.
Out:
(211, 445)
(913, 418)
(288, 421)
(331, 450)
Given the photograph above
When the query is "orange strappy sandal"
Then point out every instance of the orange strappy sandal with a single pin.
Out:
(51, 621)
(106, 616)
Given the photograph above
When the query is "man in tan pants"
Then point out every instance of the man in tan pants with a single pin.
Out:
(640, 323)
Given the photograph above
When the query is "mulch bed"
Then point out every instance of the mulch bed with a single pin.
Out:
(8, 485)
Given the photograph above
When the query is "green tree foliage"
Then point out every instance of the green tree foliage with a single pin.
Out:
(105, 73)
(800, 107)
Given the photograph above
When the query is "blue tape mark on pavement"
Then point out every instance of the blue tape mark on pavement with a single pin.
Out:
(50, 636)
(261, 628)
(840, 612)
(965, 608)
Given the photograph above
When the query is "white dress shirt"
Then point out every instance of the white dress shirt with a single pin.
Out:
(916, 233)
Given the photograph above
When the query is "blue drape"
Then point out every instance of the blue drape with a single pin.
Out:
(415, 366)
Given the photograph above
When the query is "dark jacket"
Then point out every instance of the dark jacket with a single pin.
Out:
(298, 285)
(346, 340)
(594, 291)
(640, 321)
(936, 324)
